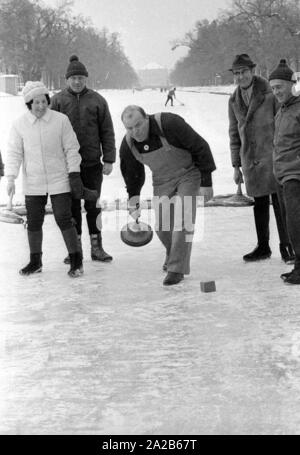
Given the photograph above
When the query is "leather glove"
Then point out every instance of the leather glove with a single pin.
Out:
(78, 190)
(76, 185)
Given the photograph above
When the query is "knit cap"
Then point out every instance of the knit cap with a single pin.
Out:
(76, 68)
(283, 72)
(32, 89)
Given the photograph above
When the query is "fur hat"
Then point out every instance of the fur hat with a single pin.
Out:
(32, 89)
(241, 61)
(76, 68)
(283, 72)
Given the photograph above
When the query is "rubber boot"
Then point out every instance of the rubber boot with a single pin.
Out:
(34, 266)
(97, 251)
(76, 268)
(261, 218)
(35, 239)
(67, 258)
(72, 243)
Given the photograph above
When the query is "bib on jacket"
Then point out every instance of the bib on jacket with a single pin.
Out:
(167, 162)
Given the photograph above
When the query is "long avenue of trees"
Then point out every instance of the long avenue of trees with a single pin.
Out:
(36, 42)
(267, 30)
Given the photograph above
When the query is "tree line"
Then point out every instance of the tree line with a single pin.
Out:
(267, 30)
(36, 42)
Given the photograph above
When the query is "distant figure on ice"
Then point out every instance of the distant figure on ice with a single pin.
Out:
(44, 141)
(1, 167)
(252, 108)
(286, 156)
(90, 117)
(170, 96)
(180, 160)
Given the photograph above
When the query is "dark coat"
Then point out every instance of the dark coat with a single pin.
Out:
(91, 120)
(287, 141)
(251, 133)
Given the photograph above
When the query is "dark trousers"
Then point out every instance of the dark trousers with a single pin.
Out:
(291, 197)
(92, 178)
(262, 218)
(61, 204)
(170, 98)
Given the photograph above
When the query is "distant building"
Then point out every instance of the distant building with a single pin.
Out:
(9, 83)
(153, 76)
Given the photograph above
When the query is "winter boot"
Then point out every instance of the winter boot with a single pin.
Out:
(97, 251)
(293, 277)
(261, 251)
(34, 266)
(293, 274)
(284, 276)
(173, 278)
(67, 258)
(287, 253)
(76, 267)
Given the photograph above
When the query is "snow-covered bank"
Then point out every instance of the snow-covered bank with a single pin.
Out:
(213, 89)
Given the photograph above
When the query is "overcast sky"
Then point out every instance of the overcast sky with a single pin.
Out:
(147, 27)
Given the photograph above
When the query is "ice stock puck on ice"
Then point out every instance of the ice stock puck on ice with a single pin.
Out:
(207, 286)
(136, 233)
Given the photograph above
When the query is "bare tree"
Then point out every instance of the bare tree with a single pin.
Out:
(37, 41)
(266, 29)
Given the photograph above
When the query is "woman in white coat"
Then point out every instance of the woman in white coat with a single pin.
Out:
(44, 142)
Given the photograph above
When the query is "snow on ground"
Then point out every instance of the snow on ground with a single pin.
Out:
(5, 94)
(116, 352)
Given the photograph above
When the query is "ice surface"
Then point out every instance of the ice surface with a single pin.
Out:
(116, 352)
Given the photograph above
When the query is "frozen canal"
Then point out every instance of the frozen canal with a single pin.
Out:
(115, 352)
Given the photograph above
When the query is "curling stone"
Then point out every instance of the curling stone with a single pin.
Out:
(136, 233)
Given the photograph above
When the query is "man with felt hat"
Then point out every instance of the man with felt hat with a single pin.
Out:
(89, 114)
(252, 108)
(287, 155)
